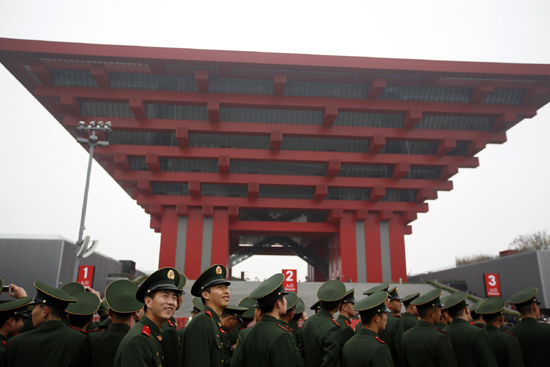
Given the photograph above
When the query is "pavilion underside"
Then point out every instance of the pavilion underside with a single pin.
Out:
(237, 153)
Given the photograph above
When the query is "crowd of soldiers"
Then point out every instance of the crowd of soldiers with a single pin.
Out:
(431, 331)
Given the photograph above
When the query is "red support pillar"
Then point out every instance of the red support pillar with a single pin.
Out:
(347, 243)
(397, 249)
(220, 237)
(193, 248)
(168, 238)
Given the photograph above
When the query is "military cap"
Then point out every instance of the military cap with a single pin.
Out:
(120, 296)
(16, 307)
(524, 297)
(409, 298)
(291, 300)
(212, 275)
(373, 304)
(182, 283)
(491, 306)
(86, 304)
(394, 295)
(428, 300)
(377, 288)
(473, 308)
(164, 278)
(300, 306)
(331, 291)
(50, 296)
(456, 302)
(235, 311)
(271, 287)
(349, 297)
(249, 303)
(198, 305)
(73, 288)
(315, 306)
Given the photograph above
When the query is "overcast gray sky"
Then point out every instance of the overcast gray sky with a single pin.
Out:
(43, 169)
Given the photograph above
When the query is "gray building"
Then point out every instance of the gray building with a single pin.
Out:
(516, 271)
(25, 259)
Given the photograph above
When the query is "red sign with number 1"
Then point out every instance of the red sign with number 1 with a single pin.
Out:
(492, 285)
(290, 280)
(86, 275)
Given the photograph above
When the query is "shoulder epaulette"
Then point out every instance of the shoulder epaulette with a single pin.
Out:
(337, 324)
(443, 331)
(84, 332)
(509, 333)
(396, 315)
(478, 325)
(380, 340)
(146, 331)
(284, 328)
(347, 323)
(4, 342)
(171, 324)
(209, 313)
(290, 329)
(222, 331)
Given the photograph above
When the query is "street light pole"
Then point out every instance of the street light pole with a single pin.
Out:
(93, 140)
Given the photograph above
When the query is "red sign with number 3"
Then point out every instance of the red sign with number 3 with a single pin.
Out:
(492, 285)
(86, 275)
(290, 280)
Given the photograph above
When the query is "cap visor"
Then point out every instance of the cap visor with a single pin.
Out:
(167, 287)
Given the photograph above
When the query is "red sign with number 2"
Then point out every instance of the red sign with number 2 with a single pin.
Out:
(290, 280)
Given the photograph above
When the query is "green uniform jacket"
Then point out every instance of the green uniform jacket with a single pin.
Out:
(202, 344)
(170, 343)
(3, 350)
(140, 346)
(365, 349)
(506, 348)
(297, 356)
(267, 344)
(481, 325)
(104, 344)
(237, 358)
(471, 345)
(392, 335)
(534, 339)
(409, 320)
(426, 346)
(53, 342)
(322, 340)
(233, 336)
(296, 330)
(347, 330)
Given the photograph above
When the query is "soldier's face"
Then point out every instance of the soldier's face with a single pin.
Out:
(395, 306)
(383, 321)
(218, 295)
(162, 305)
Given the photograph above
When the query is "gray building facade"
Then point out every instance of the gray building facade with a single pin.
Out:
(516, 272)
(26, 259)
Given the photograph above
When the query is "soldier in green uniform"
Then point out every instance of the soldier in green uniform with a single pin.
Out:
(237, 358)
(471, 344)
(476, 318)
(395, 302)
(366, 349)
(410, 316)
(246, 319)
(346, 313)
(51, 341)
(231, 317)
(120, 297)
(446, 318)
(424, 345)
(294, 323)
(141, 345)
(170, 342)
(80, 313)
(11, 321)
(506, 347)
(267, 343)
(291, 301)
(202, 345)
(393, 333)
(198, 306)
(533, 337)
(321, 334)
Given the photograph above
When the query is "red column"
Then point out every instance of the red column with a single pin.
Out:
(220, 237)
(193, 249)
(397, 248)
(168, 237)
(347, 243)
(372, 249)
